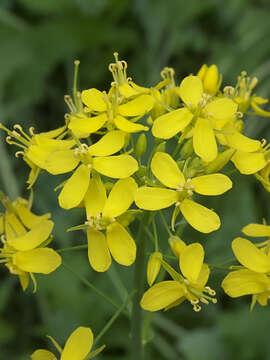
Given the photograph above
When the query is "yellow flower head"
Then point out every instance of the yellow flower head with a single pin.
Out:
(201, 112)
(35, 148)
(77, 347)
(24, 250)
(253, 278)
(188, 286)
(180, 193)
(244, 98)
(104, 214)
(94, 158)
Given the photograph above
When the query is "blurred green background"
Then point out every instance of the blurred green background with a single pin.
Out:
(39, 40)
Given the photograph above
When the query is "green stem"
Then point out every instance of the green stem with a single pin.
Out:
(92, 287)
(136, 317)
(155, 234)
(73, 248)
(114, 317)
(165, 223)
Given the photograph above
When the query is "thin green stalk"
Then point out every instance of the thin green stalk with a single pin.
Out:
(114, 317)
(73, 248)
(155, 233)
(92, 287)
(165, 223)
(136, 317)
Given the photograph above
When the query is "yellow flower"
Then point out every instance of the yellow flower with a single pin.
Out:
(36, 147)
(112, 111)
(190, 285)
(253, 278)
(25, 253)
(91, 158)
(244, 98)
(77, 347)
(180, 192)
(103, 214)
(202, 112)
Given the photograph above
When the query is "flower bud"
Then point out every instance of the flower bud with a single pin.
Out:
(220, 161)
(187, 149)
(141, 145)
(211, 80)
(177, 245)
(202, 71)
(153, 267)
(160, 147)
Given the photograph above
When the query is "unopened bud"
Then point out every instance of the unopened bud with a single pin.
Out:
(177, 245)
(220, 161)
(141, 145)
(193, 168)
(160, 147)
(187, 149)
(108, 186)
(153, 267)
(210, 81)
(202, 71)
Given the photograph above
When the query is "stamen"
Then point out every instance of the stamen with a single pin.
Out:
(18, 153)
(32, 131)
(197, 308)
(18, 127)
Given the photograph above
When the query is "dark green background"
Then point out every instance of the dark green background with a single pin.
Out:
(39, 40)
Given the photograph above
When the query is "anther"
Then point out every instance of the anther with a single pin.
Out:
(18, 153)
(196, 308)
(31, 131)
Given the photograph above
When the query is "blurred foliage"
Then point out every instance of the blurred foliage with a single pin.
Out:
(39, 40)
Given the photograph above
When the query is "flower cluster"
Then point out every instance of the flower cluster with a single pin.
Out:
(130, 152)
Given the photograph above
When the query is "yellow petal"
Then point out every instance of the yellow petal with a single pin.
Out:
(61, 162)
(93, 99)
(244, 282)
(263, 298)
(199, 217)
(139, 106)
(95, 197)
(249, 163)
(117, 167)
(203, 275)
(43, 355)
(33, 238)
(241, 142)
(166, 170)
(191, 90)
(78, 345)
(98, 251)
(161, 295)
(170, 124)
(28, 218)
(191, 261)
(213, 184)
(250, 256)
(221, 109)
(204, 141)
(40, 260)
(75, 188)
(121, 197)
(150, 198)
(13, 226)
(128, 126)
(256, 230)
(109, 144)
(87, 125)
(53, 133)
(121, 244)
